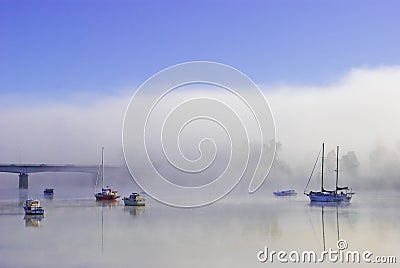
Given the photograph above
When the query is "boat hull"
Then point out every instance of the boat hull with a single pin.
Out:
(329, 197)
(129, 202)
(105, 197)
(134, 199)
(37, 211)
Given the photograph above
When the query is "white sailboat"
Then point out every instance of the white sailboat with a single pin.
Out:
(324, 195)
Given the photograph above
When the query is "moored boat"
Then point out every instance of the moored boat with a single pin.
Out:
(32, 207)
(48, 191)
(330, 196)
(106, 192)
(324, 195)
(134, 199)
(285, 193)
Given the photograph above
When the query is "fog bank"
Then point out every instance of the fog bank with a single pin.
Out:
(359, 113)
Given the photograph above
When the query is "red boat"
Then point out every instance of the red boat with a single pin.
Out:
(106, 193)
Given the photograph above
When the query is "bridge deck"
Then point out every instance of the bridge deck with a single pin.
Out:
(35, 168)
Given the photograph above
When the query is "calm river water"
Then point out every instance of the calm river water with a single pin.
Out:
(77, 231)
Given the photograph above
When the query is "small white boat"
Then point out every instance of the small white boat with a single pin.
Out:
(32, 207)
(285, 193)
(134, 199)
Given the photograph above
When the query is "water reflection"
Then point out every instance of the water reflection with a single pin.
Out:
(106, 207)
(330, 204)
(327, 219)
(23, 195)
(227, 234)
(134, 210)
(48, 196)
(33, 220)
(107, 203)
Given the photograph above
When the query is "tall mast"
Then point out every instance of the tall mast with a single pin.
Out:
(102, 167)
(337, 167)
(322, 167)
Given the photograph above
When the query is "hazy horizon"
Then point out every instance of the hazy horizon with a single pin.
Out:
(349, 113)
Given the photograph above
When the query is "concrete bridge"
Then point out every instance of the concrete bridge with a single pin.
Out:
(24, 169)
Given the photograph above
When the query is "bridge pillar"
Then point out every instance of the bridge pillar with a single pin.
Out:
(23, 180)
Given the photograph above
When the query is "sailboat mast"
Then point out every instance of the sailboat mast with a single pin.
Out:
(322, 167)
(102, 167)
(337, 168)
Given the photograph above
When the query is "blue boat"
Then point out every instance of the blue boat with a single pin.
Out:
(340, 194)
(330, 196)
(285, 193)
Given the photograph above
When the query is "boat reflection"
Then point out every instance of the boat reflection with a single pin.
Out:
(329, 204)
(48, 196)
(134, 211)
(325, 207)
(107, 203)
(33, 220)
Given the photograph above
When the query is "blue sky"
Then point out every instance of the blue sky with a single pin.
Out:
(58, 48)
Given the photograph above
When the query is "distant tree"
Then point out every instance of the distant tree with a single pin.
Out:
(349, 163)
